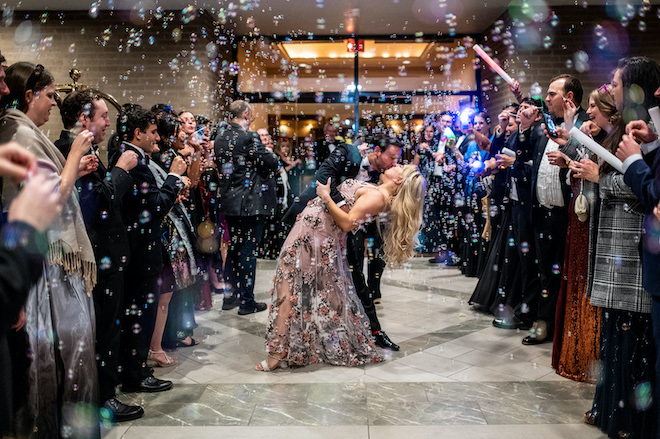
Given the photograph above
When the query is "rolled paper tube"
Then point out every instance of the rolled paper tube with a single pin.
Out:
(596, 149)
(655, 117)
(491, 62)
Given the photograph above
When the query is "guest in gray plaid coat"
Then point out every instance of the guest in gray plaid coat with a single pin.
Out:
(623, 405)
(623, 401)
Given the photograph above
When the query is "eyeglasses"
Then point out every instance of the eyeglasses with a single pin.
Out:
(34, 77)
(605, 88)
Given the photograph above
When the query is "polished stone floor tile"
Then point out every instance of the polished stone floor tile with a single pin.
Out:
(487, 432)
(195, 414)
(432, 363)
(422, 413)
(456, 376)
(539, 412)
(251, 432)
(503, 392)
(397, 393)
(310, 414)
(219, 394)
(329, 393)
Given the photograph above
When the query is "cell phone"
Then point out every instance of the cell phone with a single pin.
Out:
(549, 124)
(509, 152)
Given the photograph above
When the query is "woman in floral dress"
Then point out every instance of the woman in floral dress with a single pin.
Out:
(315, 314)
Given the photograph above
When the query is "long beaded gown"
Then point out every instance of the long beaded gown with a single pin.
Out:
(315, 314)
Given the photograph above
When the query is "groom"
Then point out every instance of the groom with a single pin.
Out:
(347, 161)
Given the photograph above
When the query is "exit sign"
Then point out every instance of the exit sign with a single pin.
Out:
(351, 46)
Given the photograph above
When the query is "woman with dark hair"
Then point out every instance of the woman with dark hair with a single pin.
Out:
(623, 405)
(511, 269)
(62, 384)
(437, 164)
(577, 322)
(178, 249)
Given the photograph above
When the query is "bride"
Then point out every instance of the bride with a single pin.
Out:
(315, 314)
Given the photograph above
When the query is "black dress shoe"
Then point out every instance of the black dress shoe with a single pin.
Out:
(258, 307)
(230, 303)
(117, 411)
(591, 417)
(381, 339)
(531, 340)
(513, 323)
(148, 385)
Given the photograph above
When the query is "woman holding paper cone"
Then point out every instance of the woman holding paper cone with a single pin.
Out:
(623, 405)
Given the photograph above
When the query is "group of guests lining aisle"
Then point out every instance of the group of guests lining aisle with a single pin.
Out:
(563, 243)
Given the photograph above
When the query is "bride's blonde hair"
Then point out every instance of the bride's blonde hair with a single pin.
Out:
(404, 218)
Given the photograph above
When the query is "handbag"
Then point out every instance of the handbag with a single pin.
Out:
(582, 204)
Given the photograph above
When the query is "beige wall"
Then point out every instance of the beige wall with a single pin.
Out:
(138, 74)
(576, 31)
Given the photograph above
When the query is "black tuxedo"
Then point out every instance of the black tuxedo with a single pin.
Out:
(248, 194)
(343, 163)
(64, 142)
(322, 150)
(101, 195)
(144, 208)
(549, 229)
(246, 168)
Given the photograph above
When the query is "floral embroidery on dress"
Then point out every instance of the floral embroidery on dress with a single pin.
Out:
(315, 314)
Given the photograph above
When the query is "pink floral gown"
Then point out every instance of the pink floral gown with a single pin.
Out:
(315, 314)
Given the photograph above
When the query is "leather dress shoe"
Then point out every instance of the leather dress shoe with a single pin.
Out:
(531, 340)
(591, 417)
(512, 323)
(382, 340)
(257, 307)
(149, 385)
(230, 303)
(116, 411)
(538, 334)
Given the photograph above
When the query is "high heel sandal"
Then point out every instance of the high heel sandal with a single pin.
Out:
(264, 364)
(154, 362)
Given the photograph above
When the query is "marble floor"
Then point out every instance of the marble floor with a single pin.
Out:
(455, 377)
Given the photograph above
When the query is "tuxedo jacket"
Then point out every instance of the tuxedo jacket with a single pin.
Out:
(322, 150)
(101, 193)
(144, 208)
(582, 116)
(246, 169)
(343, 163)
(521, 171)
(644, 180)
(64, 142)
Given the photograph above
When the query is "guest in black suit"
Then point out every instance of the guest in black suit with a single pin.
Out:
(346, 161)
(551, 195)
(247, 198)
(327, 145)
(144, 207)
(100, 201)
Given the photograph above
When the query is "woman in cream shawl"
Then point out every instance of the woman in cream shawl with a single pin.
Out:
(61, 396)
